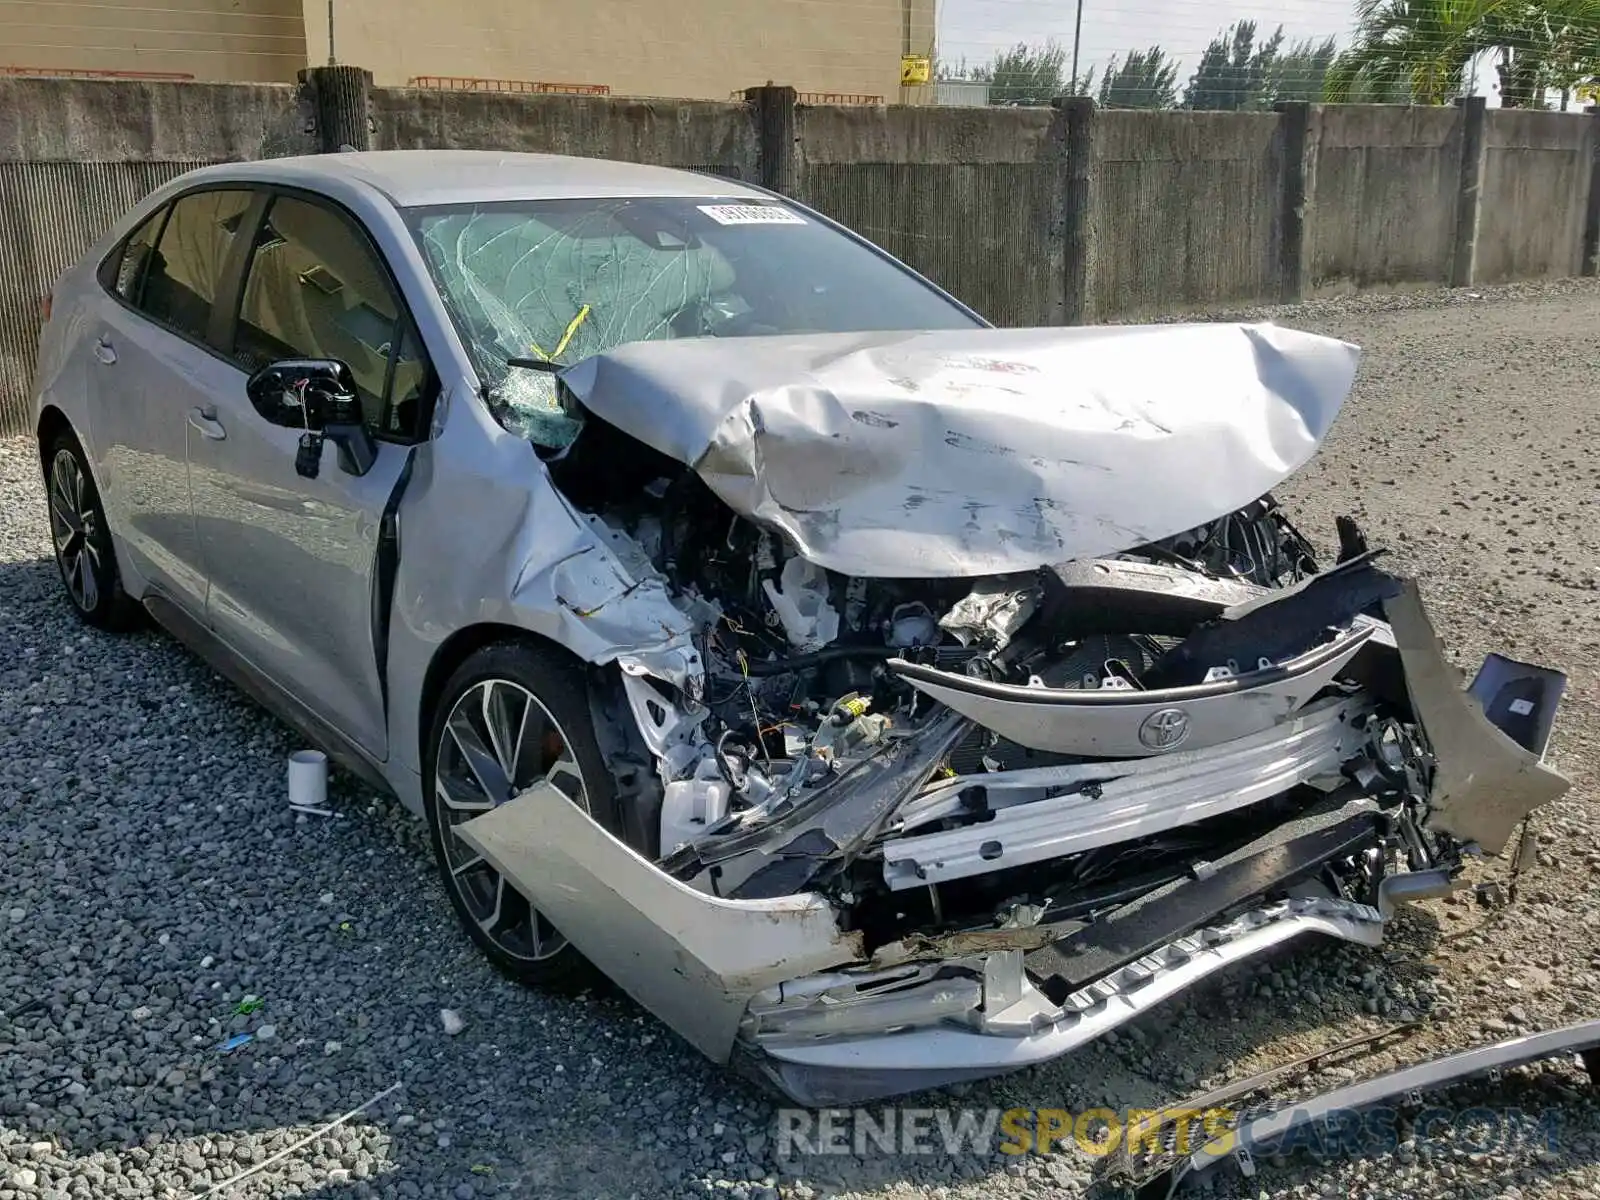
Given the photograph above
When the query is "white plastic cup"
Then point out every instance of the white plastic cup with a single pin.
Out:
(308, 779)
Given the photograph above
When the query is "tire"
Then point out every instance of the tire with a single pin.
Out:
(81, 538)
(523, 682)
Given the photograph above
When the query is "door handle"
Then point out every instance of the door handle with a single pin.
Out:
(105, 351)
(205, 421)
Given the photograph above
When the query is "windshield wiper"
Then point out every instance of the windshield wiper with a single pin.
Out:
(536, 364)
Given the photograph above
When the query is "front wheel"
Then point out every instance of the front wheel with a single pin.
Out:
(511, 715)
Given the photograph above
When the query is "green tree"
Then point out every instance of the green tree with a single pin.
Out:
(1232, 73)
(1025, 74)
(1298, 72)
(944, 68)
(1144, 79)
(1418, 50)
(1540, 47)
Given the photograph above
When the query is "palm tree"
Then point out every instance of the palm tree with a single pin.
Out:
(1544, 46)
(1410, 49)
(1417, 50)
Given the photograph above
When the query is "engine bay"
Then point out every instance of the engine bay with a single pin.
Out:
(818, 720)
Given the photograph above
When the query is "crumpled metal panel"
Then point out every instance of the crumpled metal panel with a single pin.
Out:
(1485, 783)
(985, 451)
(1105, 723)
(693, 960)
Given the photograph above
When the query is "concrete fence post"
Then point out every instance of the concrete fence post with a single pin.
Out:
(1469, 196)
(1591, 211)
(1078, 209)
(341, 100)
(1299, 185)
(776, 138)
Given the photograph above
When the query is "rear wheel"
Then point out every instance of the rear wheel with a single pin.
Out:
(82, 539)
(511, 715)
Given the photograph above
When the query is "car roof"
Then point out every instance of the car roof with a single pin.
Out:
(419, 178)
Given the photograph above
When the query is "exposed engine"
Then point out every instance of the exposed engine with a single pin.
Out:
(796, 663)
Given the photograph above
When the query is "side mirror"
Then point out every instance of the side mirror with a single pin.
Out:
(318, 397)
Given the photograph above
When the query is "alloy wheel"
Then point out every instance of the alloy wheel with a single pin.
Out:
(74, 527)
(497, 742)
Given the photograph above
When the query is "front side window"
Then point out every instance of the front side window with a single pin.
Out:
(316, 289)
(565, 279)
(181, 279)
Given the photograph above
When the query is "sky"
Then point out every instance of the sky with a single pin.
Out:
(977, 28)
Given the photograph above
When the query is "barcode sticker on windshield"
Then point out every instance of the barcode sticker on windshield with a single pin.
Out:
(751, 214)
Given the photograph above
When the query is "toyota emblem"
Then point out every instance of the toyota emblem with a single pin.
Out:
(1165, 729)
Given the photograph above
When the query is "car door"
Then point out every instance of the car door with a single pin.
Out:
(156, 360)
(292, 562)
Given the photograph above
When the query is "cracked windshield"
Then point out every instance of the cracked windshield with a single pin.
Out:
(560, 280)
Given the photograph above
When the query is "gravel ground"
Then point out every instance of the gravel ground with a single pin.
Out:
(156, 897)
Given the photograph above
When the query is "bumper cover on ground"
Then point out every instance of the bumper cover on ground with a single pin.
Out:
(1270, 1131)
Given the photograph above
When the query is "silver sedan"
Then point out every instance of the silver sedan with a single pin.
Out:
(882, 698)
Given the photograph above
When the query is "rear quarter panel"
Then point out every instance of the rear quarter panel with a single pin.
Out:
(60, 377)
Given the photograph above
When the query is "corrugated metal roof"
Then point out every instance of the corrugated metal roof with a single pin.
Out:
(972, 92)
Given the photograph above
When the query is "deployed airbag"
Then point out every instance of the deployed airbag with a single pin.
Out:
(979, 452)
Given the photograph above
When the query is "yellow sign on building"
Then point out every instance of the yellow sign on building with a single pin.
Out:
(915, 69)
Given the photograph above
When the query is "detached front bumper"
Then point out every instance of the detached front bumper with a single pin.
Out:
(937, 1032)
(780, 983)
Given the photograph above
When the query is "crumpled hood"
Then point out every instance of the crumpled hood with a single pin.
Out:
(979, 452)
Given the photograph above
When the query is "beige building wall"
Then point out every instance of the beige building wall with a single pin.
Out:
(689, 48)
(694, 48)
(231, 40)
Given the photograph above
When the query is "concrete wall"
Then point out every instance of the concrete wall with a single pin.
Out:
(678, 133)
(233, 40)
(1186, 210)
(1535, 188)
(95, 120)
(76, 154)
(969, 197)
(1384, 197)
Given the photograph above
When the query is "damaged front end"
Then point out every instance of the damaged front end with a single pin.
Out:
(922, 829)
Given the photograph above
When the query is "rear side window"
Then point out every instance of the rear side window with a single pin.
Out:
(181, 280)
(125, 271)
